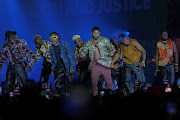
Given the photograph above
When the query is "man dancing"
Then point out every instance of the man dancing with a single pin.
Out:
(166, 59)
(14, 51)
(100, 50)
(81, 66)
(62, 58)
(43, 50)
(132, 52)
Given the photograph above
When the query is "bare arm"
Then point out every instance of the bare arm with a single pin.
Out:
(175, 52)
(157, 57)
(176, 67)
(156, 61)
(141, 49)
(116, 57)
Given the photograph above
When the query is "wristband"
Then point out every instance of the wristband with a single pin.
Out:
(143, 63)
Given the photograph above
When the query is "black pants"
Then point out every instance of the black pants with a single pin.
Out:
(17, 72)
(46, 71)
(84, 76)
(61, 81)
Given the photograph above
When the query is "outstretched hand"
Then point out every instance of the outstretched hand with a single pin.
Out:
(82, 55)
(157, 70)
(176, 68)
(52, 74)
(141, 64)
(35, 59)
(114, 66)
(30, 68)
(71, 72)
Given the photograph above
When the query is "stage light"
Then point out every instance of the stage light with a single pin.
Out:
(127, 33)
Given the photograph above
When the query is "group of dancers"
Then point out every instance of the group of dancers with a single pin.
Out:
(95, 60)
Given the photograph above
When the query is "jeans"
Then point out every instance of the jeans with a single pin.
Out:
(128, 69)
(167, 73)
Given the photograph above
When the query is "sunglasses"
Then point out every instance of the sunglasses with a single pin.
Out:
(53, 37)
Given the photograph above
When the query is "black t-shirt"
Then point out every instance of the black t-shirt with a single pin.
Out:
(57, 52)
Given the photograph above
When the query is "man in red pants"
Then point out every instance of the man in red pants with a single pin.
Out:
(100, 50)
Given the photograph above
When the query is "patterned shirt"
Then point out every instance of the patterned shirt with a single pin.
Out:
(165, 52)
(27, 58)
(105, 46)
(14, 52)
(77, 52)
(44, 51)
(66, 55)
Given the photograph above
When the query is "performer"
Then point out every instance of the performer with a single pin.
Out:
(100, 50)
(62, 58)
(132, 52)
(81, 66)
(14, 51)
(27, 59)
(43, 50)
(166, 58)
(118, 73)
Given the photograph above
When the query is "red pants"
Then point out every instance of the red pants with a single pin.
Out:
(96, 70)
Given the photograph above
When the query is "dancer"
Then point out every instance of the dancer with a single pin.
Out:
(166, 59)
(132, 52)
(13, 50)
(99, 49)
(43, 50)
(62, 58)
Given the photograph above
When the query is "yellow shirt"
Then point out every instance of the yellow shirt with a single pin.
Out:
(130, 53)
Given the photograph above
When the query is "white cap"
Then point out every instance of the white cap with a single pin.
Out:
(75, 37)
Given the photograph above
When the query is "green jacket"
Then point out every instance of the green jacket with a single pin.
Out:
(104, 45)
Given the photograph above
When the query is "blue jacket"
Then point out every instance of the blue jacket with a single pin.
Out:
(67, 56)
